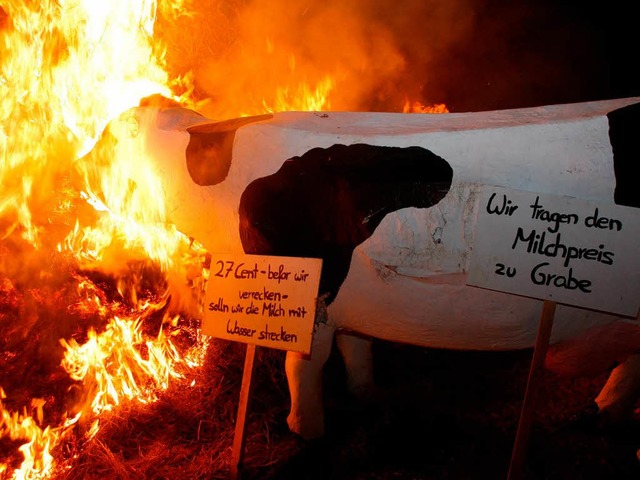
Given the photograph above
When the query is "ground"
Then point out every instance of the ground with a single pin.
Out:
(454, 415)
(438, 415)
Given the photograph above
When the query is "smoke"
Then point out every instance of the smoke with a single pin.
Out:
(374, 55)
(252, 55)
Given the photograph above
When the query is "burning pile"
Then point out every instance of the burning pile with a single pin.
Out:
(94, 285)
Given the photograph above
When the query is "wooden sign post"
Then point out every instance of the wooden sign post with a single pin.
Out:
(560, 250)
(518, 457)
(261, 301)
(237, 450)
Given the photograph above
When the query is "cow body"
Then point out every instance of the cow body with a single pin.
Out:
(389, 202)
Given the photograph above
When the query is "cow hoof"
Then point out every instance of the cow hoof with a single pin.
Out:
(593, 418)
(308, 429)
(587, 419)
(614, 419)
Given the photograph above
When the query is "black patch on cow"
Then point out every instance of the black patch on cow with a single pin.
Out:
(210, 149)
(624, 134)
(328, 201)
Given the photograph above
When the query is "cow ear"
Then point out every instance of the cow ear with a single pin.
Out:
(210, 149)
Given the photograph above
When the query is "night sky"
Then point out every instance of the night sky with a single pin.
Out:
(524, 53)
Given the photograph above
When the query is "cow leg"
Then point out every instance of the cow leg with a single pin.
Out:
(358, 361)
(304, 376)
(617, 398)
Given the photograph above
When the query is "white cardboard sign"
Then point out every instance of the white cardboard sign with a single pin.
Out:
(558, 248)
(263, 300)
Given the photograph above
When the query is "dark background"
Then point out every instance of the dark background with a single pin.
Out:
(527, 53)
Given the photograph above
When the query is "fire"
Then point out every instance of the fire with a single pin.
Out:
(303, 97)
(95, 286)
(37, 451)
(68, 68)
(417, 107)
(113, 362)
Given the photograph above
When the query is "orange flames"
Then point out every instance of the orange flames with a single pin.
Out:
(67, 69)
(94, 283)
(417, 107)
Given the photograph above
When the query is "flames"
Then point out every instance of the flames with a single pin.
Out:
(91, 236)
(96, 288)
(417, 107)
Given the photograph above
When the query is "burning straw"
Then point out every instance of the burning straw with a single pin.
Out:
(93, 281)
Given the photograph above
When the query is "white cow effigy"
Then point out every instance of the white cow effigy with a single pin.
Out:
(389, 202)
